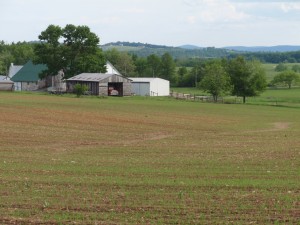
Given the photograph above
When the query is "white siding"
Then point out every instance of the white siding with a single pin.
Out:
(150, 86)
(142, 89)
(18, 86)
(159, 87)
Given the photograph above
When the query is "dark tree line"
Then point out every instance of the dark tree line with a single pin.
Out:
(18, 53)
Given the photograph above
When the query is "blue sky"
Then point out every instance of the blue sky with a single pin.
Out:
(204, 23)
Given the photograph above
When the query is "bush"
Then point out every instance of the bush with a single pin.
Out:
(80, 89)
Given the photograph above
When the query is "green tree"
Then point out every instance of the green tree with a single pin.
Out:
(247, 77)
(154, 63)
(281, 67)
(287, 77)
(18, 53)
(141, 67)
(216, 80)
(296, 68)
(122, 61)
(73, 48)
(182, 72)
(167, 67)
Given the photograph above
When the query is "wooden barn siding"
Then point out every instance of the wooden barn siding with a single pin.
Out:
(127, 89)
(103, 86)
(92, 86)
(103, 89)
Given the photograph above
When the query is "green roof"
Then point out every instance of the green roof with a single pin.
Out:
(29, 72)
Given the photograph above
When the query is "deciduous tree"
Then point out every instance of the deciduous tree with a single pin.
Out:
(247, 77)
(167, 67)
(73, 48)
(216, 80)
(287, 77)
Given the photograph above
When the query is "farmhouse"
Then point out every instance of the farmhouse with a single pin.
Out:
(101, 84)
(110, 69)
(27, 78)
(146, 86)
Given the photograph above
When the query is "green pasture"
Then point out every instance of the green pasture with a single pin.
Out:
(272, 96)
(270, 69)
(142, 160)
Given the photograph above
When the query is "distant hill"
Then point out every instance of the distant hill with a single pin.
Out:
(191, 47)
(273, 54)
(278, 48)
(186, 51)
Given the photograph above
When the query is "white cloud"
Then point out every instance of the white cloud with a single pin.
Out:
(191, 19)
(134, 10)
(287, 7)
(212, 11)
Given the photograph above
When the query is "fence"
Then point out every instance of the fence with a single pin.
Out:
(193, 97)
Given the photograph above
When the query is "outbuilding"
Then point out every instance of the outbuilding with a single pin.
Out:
(6, 85)
(147, 86)
(101, 84)
(27, 77)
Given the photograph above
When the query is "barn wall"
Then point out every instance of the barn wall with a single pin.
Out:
(93, 87)
(127, 89)
(141, 88)
(159, 87)
(5, 86)
(103, 89)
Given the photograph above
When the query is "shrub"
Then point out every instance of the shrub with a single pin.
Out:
(80, 89)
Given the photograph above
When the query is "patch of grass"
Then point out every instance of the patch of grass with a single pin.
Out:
(142, 160)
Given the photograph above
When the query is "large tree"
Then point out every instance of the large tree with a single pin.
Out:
(247, 77)
(72, 48)
(216, 80)
(168, 67)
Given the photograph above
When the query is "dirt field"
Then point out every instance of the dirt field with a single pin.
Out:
(65, 160)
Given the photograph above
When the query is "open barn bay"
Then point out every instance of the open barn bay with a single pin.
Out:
(66, 160)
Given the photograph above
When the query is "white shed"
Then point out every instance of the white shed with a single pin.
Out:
(147, 86)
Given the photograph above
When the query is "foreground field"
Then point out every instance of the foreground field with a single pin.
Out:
(65, 160)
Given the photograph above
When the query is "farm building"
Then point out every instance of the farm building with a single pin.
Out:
(13, 69)
(3, 77)
(101, 84)
(27, 78)
(146, 86)
(6, 85)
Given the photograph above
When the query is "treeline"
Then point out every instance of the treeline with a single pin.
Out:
(18, 53)
(181, 72)
(187, 56)
(272, 57)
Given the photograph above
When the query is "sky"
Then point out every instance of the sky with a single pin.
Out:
(205, 23)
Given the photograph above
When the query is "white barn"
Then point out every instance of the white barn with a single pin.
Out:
(147, 86)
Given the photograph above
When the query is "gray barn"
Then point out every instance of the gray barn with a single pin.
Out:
(102, 84)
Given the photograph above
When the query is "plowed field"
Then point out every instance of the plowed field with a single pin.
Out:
(67, 160)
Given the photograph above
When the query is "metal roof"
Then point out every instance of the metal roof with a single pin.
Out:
(29, 72)
(94, 77)
(144, 79)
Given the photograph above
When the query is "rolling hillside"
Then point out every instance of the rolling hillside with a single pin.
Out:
(144, 50)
